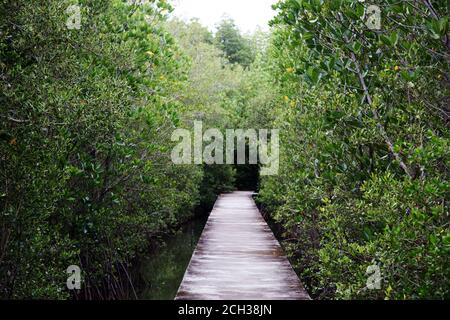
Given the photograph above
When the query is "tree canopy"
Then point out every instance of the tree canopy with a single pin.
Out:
(236, 48)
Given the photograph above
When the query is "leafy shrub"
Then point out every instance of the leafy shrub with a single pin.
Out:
(364, 144)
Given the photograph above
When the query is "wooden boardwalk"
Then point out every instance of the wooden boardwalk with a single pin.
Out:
(239, 258)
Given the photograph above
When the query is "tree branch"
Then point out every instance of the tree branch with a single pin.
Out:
(380, 127)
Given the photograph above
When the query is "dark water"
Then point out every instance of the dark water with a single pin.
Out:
(162, 272)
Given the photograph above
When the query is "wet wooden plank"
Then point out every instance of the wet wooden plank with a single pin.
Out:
(239, 258)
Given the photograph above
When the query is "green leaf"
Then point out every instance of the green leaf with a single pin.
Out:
(390, 40)
(394, 39)
(307, 36)
(313, 75)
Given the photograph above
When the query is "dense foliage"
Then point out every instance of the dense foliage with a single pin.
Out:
(86, 120)
(364, 170)
(235, 47)
(87, 116)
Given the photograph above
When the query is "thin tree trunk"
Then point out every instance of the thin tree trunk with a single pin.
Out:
(380, 127)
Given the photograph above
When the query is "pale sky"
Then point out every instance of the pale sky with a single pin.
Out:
(248, 14)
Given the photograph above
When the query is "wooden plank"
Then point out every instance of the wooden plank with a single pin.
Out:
(239, 258)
